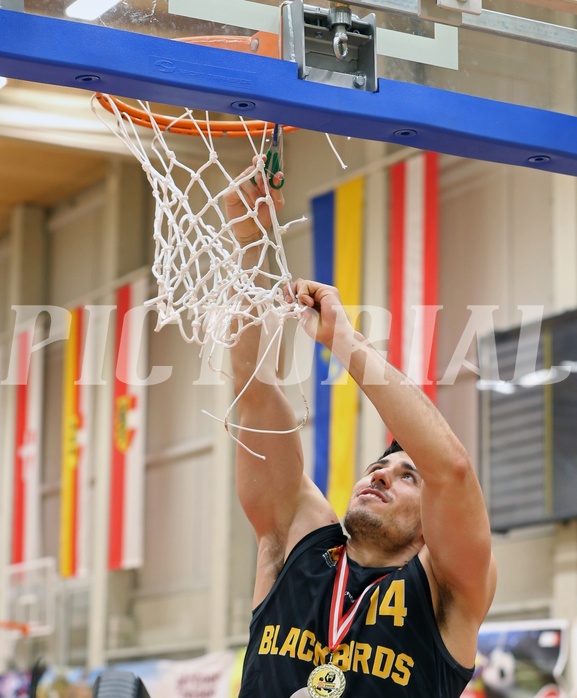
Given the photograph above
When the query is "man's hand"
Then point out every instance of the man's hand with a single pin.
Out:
(327, 320)
(248, 230)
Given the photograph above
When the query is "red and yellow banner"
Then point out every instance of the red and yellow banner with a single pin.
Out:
(125, 550)
(74, 459)
(26, 488)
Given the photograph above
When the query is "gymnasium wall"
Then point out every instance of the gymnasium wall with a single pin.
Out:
(505, 234)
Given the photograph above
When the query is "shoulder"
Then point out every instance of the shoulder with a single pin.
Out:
(275, 557)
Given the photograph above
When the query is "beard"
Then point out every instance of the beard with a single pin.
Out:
(364, 525)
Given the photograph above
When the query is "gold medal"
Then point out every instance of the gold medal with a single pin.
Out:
(326, 680)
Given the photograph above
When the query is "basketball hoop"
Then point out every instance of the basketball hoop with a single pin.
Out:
(21, 629)
(202, 286)
(10, 633)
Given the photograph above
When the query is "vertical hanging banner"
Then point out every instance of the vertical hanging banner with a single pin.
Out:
(76, 426)
(28, 410)
(337, 241)
(126, 525)
(413, 268)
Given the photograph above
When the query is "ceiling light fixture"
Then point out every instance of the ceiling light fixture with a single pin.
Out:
(90, 9)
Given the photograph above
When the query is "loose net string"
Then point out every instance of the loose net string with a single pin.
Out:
(202, 285)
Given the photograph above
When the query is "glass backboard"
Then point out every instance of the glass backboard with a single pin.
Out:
(475, 62)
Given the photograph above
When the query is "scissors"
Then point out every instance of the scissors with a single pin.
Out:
(273, 162)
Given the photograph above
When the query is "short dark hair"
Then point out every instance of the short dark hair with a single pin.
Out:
(393, 447)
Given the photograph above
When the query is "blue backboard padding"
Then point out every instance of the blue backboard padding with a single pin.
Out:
(61, 52)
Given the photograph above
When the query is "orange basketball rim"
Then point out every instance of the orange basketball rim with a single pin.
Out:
(22, 628)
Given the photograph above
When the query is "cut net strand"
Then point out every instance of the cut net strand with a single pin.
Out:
(276, 339)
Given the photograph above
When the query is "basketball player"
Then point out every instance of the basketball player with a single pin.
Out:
(391, 605)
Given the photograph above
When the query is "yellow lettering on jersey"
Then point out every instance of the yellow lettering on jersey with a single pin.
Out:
(383, 662)
(402, 664)
(361, 655)
(371, 618)
(320, 654)
(303, 653)
(358, 657)
(342, 656)
(289, 646)
(266, 640)
(274, 646)
(393, 603)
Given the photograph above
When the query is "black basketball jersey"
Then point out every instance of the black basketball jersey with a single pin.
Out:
(392, 649)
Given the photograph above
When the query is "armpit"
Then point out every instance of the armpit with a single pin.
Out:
(271, 556)
(442, 606)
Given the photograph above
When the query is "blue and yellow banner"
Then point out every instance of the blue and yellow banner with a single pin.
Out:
(337, 247)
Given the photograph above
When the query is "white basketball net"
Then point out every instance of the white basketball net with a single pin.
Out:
(198, 264)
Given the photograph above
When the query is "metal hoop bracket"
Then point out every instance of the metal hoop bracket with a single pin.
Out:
(331, 46)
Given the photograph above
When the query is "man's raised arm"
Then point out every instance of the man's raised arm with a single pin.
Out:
(279, 500)
(455, 524)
